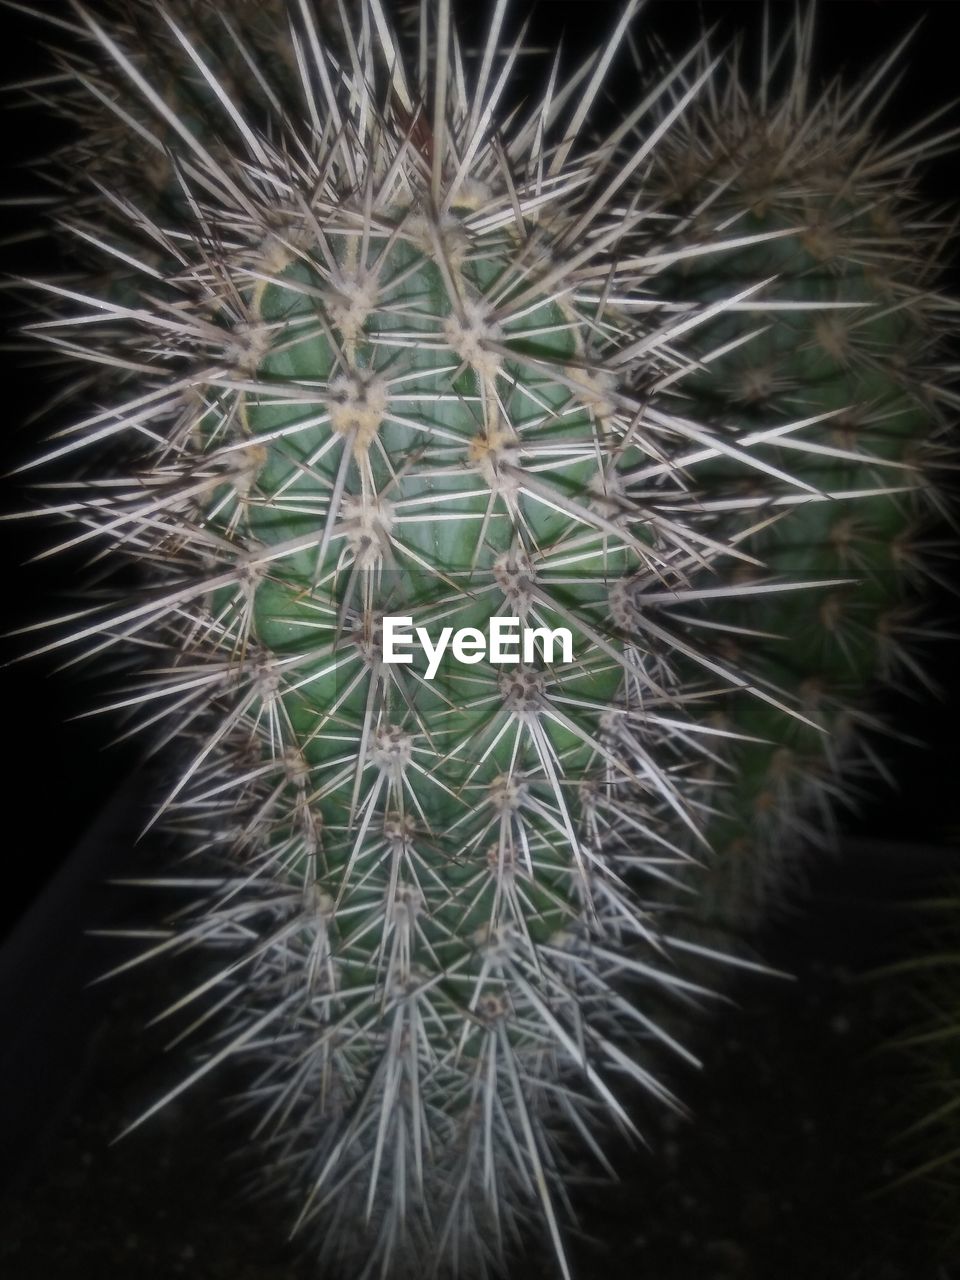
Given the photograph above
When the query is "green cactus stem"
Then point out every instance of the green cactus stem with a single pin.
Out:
(857, 344)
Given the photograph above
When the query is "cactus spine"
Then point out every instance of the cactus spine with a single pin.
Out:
(381, 347)
(856, 345)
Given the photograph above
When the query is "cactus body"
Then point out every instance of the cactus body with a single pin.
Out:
(387, 365)
(378, 348)
(854, 344)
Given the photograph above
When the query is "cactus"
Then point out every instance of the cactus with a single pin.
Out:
(381, 341)
(857, 344)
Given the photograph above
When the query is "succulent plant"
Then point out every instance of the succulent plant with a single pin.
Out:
(385, 350)
(856, 347)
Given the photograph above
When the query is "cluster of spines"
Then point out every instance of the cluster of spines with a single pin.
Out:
(856, 344)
